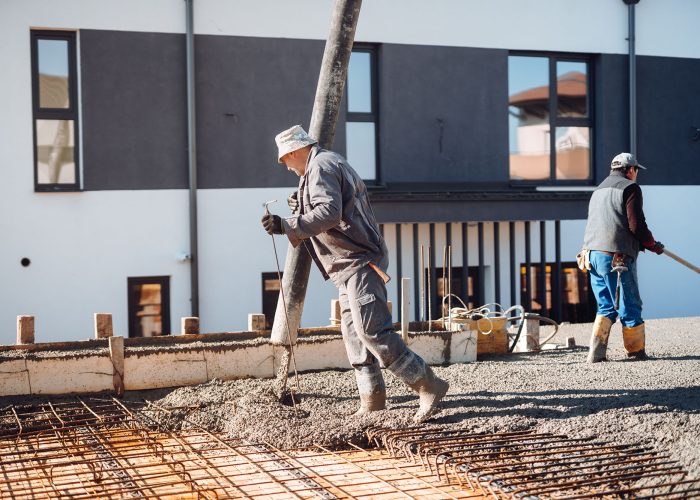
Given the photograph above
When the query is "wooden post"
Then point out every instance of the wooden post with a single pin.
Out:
(116, 355)
(335, 312)
(25, 329)
(189, 325)
(256, 322)
(571, 342)
(103, 325)
(405, 307)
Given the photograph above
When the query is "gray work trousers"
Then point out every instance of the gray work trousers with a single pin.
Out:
(368, 332)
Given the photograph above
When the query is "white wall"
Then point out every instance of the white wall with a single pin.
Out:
(83, 246)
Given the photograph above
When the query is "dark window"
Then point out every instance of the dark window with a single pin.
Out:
(455, 287)
(270, 295)
(578, 302)
(149, 306)
(55, 110)
(361, 127)
(549, 114)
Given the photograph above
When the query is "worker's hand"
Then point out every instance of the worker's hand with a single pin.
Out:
(657, 248)
(293, 202)
(272, 224)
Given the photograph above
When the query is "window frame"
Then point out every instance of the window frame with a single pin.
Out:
(557, 121)
(70, 113)
(164, 282)
(373, 115)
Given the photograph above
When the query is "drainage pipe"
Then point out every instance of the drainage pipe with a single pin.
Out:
(632, 74)
(329, 92)
(192, 159)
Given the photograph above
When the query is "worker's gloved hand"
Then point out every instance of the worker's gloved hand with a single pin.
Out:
(272, 224)
(657, 248)
(293, 202)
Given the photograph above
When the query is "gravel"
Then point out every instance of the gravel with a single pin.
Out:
(655, 402)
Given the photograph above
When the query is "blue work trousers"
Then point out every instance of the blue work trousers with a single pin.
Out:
(604, 283)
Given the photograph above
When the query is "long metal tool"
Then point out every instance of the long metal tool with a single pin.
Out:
(283, 370)
(681, 260)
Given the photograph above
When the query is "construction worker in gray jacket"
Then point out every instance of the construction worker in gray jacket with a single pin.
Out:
(615, 232)
(331, 210)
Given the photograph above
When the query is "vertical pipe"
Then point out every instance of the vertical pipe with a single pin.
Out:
(631, 37)
(432, 285)
(192, 158)
(527, 303)
(497, 260)
(465, 263)
(324, 116)
(511, 244)
(399, 274)
(482, 273)
(542, 282)
(557, 292)
(416, 279)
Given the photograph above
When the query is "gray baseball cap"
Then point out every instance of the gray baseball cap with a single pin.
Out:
(625, 160)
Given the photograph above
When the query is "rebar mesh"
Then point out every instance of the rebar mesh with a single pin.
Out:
(533, 465)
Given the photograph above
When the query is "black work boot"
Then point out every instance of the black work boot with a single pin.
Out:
(599, 339)
(414, 372)
(370, 385)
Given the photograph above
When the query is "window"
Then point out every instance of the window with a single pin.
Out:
(472, 288)
(55, 110)
(361, 123)
(270, 295)
(149, 306)
(549, 114)
(577, 300)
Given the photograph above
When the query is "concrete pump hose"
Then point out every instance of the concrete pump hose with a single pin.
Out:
(492, 311)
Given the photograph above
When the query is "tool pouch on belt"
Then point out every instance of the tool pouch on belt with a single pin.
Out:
(583, 260)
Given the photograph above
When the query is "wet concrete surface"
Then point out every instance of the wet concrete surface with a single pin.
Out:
(654, 402)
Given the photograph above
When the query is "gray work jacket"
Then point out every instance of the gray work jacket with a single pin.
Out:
(335, 215)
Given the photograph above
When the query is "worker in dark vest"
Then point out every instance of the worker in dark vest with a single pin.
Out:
(331, 210)
(615, 233)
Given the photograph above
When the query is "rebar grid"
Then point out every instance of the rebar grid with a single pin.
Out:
(526, 464)
(103, 448)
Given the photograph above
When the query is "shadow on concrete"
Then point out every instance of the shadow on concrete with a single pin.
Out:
(560, 404)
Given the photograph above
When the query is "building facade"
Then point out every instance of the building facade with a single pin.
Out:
(479, 126)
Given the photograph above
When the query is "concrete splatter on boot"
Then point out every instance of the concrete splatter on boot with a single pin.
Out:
(599, 339)
(634, 340)
(370, 385)
(414, 372)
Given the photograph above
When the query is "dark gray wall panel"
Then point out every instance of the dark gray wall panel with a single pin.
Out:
(248, 90)
(443, 114)
(134, 110)
(438, 208)
(611, 105)
(668, 106)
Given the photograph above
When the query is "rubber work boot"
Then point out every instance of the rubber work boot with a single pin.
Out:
(633, 338)
(370, 385)
(414, 372)
(599, 339)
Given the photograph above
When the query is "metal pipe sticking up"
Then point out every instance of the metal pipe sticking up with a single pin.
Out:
(192, 158)
(631, 38)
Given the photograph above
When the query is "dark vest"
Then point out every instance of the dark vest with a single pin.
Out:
(607, 228)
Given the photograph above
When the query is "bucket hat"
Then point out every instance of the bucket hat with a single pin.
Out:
(292, 139)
